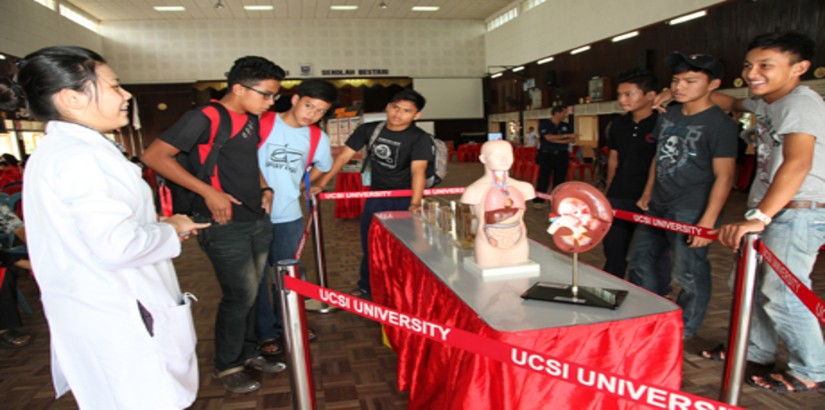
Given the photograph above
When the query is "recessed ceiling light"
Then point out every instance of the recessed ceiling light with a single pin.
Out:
(343, 8)
(496, 75)
(258, 8)
(170, 8)
(624, 36)
(519, 68)
(687, 17)
(425, 8)
(2, 56)
(545, 60)
(580, 50)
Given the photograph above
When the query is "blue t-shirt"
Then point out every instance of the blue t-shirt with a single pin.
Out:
(283, 160)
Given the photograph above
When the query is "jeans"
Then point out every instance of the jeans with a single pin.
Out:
(691, 268)
(795, 236)
(371, 206)
(238, 252)
(555, 162)
(617, 243)
(285, 239)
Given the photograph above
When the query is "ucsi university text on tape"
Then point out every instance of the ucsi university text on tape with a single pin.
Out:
(584, 376)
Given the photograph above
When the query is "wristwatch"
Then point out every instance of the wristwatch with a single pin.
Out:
(756, 214)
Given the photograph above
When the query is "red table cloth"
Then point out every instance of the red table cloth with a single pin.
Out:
(646, 348)
(349, 182)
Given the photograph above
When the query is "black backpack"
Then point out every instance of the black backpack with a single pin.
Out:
(183, 200)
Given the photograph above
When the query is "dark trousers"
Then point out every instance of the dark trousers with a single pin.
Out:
(371, 207)
(238, 252)
(9, 315)
(555, 162)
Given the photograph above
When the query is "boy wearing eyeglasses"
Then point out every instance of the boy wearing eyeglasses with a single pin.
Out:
(233, 195)
(284, 157)
(689, 182)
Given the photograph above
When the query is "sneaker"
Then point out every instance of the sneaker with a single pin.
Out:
(237, 381)
(265, 365)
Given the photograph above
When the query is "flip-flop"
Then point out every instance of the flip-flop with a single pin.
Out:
(271, 347)
(13, 339)
(779, 386)
(717, 354)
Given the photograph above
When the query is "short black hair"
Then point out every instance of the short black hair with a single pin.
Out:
(251, 70)
(795, 43)
(642, 78)
(318, 89)
(685, 67)
(411, 96)
(557, 109)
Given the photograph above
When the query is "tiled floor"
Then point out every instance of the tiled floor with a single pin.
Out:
(353, 370)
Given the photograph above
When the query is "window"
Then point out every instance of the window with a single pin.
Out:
(47, 3)
(502, 19)
(78, 18)
(529, 4)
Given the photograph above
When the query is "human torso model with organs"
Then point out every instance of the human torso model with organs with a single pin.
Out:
(499, 205)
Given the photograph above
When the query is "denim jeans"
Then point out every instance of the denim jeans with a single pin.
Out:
(795, 236)
(371, 207)
(285, 239)
(691, 268)
(238, 252)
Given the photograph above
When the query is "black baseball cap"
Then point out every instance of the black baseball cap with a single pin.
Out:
(704, 62)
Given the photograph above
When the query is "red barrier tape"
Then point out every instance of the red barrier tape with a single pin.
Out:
(585, 376)
(804, 293)
(389, 194)
(302, 243)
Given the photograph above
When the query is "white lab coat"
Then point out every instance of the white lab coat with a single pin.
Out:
(97, 249)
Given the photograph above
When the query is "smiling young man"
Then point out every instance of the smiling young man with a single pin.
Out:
(233, 197)
(283, 158)
(689, 182)
(399, 157)
(787, 202)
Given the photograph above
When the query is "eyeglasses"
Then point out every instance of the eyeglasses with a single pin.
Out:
(266, 95)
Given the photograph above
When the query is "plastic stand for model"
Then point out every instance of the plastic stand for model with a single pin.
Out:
(575, 294)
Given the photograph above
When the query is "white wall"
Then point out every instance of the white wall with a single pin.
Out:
(170, 51)
(549, 29)
(457, 98)
(26, 26)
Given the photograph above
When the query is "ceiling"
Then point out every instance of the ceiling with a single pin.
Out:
(108, 10)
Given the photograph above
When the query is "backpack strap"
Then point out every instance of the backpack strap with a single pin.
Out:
(314, 140)
(267, 123)
(216, 141)
(375, 133)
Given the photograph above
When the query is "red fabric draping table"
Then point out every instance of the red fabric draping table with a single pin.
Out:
(349, 182)
(647, 348)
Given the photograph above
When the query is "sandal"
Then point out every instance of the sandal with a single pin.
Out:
(717, 354)
(360, 293)
(782, 382)
(13, 339)
(271, 347)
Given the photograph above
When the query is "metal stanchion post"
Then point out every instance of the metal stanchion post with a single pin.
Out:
(740, 319)
(320, 258)
(296, 337)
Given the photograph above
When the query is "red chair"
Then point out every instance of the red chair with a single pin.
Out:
(578, 164)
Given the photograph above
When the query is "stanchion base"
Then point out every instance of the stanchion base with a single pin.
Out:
(586, 296)
(313, 305)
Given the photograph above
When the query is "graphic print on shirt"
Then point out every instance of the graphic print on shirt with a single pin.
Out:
(386, 153)
(768, 140)
(677, 147)
(280, 156)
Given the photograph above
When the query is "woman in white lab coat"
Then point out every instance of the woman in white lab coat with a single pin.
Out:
(121, 330)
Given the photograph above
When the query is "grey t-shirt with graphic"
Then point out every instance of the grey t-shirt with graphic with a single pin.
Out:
(685, 149)
(801, 111)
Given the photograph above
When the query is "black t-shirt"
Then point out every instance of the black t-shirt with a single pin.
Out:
(686, 147)
(636, 146)
(546, 126)
(392, 154)
(237, 164)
